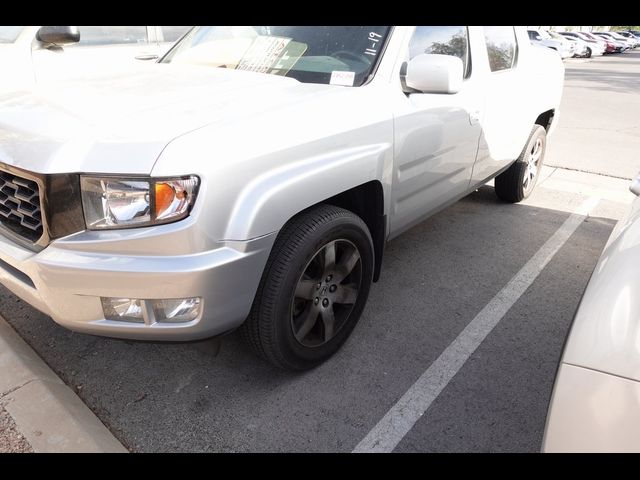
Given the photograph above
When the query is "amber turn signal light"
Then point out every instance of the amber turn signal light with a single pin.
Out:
(165, 195)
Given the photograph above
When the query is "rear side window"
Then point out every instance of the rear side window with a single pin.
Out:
(172, 33)
(502, 47)
(443, 41)
(97, 35)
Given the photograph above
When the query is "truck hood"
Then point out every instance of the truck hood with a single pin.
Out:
(121, 122)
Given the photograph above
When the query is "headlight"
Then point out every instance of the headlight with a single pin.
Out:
(135, 202)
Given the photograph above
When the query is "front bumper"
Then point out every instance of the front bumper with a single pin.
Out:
(66, 281)
(592, 411)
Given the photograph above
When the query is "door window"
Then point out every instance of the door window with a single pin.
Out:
(502, 47)
(443, 41)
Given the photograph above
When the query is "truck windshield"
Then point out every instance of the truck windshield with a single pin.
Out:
(8, 34)
(318, 54)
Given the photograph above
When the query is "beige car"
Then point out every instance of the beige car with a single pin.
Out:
(595, 406)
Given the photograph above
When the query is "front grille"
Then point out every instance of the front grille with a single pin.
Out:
(20, 206)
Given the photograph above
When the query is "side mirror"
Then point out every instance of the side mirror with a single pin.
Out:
(58, 35)
(635, 186)
(431, 73)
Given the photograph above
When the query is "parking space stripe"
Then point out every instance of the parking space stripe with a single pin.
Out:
(399, 420)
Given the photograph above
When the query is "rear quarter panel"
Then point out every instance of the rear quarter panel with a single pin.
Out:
(514, 100)
(539, 85)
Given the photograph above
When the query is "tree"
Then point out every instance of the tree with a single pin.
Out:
(636, 27)
(456, 47)
(500, 56)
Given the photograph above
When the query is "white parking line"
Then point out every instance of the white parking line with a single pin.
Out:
(389, 431)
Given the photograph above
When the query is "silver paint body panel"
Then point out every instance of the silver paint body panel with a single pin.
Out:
(265, 148)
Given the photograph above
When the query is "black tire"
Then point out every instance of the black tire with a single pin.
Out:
(511, 185)
(301, 246)
(588, 55)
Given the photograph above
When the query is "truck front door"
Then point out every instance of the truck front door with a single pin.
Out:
(436, 135)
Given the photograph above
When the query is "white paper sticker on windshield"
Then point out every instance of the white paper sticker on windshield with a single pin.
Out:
(263, 54)
(346, 79)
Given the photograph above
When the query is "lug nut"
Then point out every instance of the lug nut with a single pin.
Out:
(316, 300)
(318, 286)
(329, 278)
(325, 303)
(333, 288)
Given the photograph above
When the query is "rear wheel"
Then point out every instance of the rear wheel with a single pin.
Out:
(518, 181)
(313, 289)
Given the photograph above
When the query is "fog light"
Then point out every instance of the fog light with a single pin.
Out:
(123, 309)
(178, 310)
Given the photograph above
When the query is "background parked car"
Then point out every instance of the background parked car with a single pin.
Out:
(625, 41)
(541, 37)
(631, 41)
(580, 48)
(595, 406)
(621, 45)
(610, 47)
(596, 42)
(593, 47)
(39, 53)
(631, 37)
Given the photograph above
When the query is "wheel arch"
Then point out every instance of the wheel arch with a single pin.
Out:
(367, 201)
(545, 119)
(352, 178)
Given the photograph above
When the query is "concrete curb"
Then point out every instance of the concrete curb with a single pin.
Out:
(47, 412)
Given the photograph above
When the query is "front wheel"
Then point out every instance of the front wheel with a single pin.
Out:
(313, 289)
(517, 182)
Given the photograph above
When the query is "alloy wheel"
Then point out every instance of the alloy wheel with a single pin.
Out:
(326, 293)
(533, 165)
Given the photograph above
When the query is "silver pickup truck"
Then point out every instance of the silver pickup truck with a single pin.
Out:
(252, 177)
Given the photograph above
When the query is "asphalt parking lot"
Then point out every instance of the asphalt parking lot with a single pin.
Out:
(438, 279)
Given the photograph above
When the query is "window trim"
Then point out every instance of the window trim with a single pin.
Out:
(383, 50)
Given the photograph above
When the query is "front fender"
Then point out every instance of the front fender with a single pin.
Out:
(268, 201)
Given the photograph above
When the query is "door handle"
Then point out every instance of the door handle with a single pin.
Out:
(147, 57)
